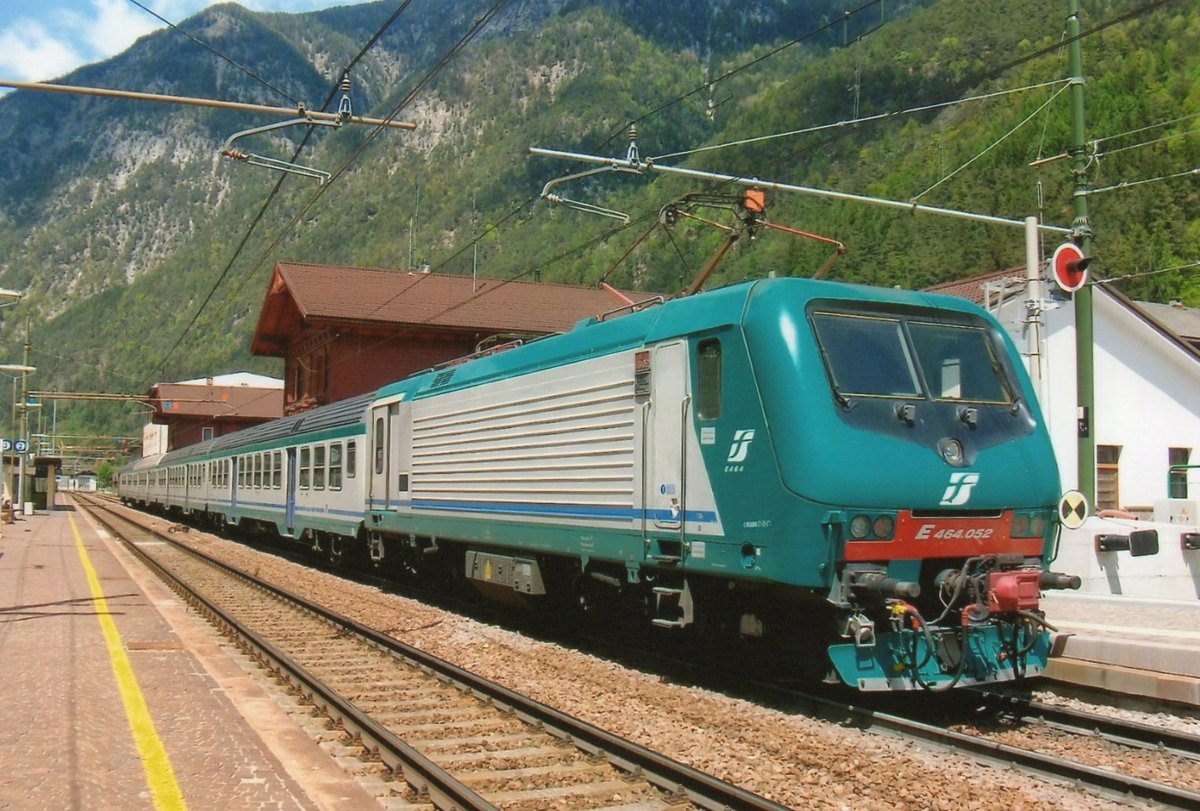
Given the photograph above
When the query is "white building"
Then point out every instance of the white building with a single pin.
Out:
(1146, 418)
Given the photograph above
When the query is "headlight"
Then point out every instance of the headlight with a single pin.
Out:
(860, 527)
(952, 451)
(884, 526)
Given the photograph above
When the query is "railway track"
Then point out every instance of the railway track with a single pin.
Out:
(458, 741)
(1020, 741)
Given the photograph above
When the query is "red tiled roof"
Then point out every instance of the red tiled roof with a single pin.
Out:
(355, 294)
(972, 289)
(226, 402)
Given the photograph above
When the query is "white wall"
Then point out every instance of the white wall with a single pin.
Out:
(1147, 395)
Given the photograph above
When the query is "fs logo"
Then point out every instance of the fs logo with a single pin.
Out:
(959, 491)
(741, 445)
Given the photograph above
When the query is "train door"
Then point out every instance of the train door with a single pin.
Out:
(378, 495)
(234, 463)
(668, 401)
(289, 508)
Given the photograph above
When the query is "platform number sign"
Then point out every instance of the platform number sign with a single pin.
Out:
(17, 445)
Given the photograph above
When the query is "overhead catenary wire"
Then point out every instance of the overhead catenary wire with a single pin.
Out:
(1129, 184)
(480, 23)
(275, 189)
(1154, 272)
(611, 232)
(1170, 137)
(972, 81)
(853, 122)
(998, 141)
(529, 201)
(1147, 128)
(215, 52)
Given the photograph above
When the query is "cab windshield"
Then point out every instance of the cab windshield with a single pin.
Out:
(907, 357)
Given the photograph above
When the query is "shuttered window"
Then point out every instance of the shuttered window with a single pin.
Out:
(1108, 490)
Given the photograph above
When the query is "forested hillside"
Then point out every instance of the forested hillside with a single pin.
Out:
(126, 228)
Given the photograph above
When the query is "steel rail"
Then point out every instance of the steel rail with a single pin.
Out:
(1037, 762)
(192, 101)
(700, 788)
(444, 790)
(1116, 729)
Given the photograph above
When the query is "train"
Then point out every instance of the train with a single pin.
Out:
(856, 479)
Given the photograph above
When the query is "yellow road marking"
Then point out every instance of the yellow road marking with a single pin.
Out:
(160, 777)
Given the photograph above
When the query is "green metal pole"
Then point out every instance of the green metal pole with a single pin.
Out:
(1085, 383)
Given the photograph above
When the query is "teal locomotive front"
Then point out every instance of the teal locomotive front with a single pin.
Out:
(899, 467)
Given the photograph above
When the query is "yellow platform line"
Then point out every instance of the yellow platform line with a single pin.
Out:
(160, 777)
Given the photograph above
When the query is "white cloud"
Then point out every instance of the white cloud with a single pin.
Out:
(29, 53)
(115, 24)
(70, 33)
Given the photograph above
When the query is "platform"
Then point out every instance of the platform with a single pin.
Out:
(115, 696)
(1140, 647)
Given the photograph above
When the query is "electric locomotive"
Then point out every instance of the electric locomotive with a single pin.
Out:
(856, 478)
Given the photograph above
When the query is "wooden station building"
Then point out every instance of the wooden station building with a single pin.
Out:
(343, 330)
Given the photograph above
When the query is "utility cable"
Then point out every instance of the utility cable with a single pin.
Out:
(1120, 149)
(215, 52)
(275, 189)
(664, 106)
(1187, 266)
(1128, 184)
(997, 142)
(479, 24)
(851, 122)
(1148, 127)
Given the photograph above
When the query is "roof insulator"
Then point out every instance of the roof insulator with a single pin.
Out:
(344, 110)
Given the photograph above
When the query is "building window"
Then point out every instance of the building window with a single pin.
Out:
(1108, 491)
(206, 434)
(708, 379)
(1177, 479)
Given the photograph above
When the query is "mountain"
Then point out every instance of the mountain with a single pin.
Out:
(120, 219)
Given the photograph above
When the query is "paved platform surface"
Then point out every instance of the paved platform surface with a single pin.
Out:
(1148, 648)
(113, 696)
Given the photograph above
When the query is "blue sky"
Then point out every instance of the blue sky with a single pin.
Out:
(41, 40)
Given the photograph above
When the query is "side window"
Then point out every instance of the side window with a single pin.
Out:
(351, 458)
(335, 466)
(277, 470)
(319, 467)
(305, 467)
(257, 469)
(708, 379)
(379, 445)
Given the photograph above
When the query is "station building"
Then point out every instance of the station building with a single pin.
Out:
(1146, 425)
(345, 330)
(192, 411)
